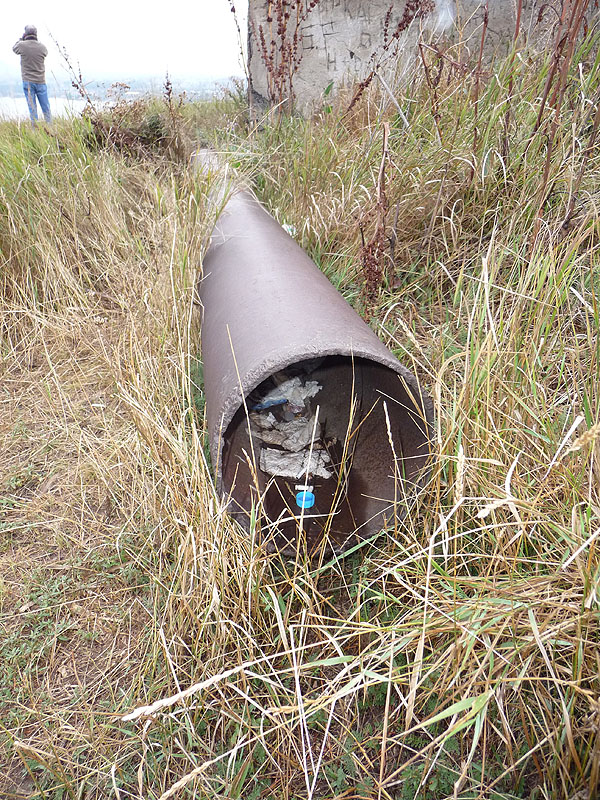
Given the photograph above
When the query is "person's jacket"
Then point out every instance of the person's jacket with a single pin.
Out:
(32, 55)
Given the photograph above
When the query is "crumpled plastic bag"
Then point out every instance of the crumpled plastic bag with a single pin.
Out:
(292, 391)
(283, 464)
(295, 435)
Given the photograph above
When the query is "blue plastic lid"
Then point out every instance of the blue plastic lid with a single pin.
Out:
(305, 499)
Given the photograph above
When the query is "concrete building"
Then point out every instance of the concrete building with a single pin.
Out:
(323, 43)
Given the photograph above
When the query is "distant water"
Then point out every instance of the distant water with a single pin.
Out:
(16, 107)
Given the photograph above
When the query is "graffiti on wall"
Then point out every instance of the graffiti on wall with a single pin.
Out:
(336, 40)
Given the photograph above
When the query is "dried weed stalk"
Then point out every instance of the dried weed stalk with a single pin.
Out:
(373, 253)
(414, 9)
(280, 46)
(571, 22)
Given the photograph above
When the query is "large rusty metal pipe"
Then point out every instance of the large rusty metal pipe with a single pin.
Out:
(269, 311)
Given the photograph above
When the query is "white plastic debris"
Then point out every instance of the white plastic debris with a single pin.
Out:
(295, 435)
(264, 421)
(284, 464)
(292, 391)
(288, 432)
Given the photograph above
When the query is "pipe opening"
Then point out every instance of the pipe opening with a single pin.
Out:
(330, 448)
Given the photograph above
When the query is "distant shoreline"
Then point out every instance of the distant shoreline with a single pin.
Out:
(64, 102)
(15, 108)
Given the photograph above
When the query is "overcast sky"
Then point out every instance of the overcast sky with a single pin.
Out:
(128, 38)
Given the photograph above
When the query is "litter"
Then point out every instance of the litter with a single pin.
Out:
(289, 390)
(294, 435)
(305, 499)
(277, 401)
(289, 433)
(283, 464)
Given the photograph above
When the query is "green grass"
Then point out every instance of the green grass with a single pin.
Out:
(455, 657)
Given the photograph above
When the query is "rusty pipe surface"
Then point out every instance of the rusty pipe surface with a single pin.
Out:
(268, 312)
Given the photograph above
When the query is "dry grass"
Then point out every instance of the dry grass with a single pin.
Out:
(96, 250)
(456, 657)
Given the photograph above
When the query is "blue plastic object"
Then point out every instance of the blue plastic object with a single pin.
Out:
(305, 499)
(278, 401)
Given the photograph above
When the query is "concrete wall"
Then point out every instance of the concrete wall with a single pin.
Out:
(339, 39)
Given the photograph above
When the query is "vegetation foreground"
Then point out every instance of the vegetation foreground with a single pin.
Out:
(457, 655)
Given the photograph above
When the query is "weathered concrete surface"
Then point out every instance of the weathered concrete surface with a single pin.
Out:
(342, 39)
(537, 21)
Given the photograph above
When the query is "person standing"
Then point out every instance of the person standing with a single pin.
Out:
(33, 72)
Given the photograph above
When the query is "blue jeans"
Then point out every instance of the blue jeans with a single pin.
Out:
(39, 91)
